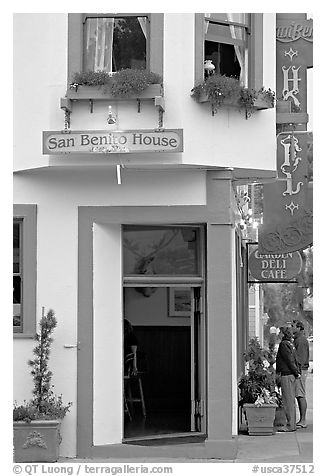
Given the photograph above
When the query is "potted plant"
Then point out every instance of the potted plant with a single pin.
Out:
(220, 90)
(124, 84)
(258, 390)
(37, 422)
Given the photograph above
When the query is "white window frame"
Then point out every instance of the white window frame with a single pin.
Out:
(113, 16)
(221, 39)
(154, 58)
(255, 49)
(26, 215)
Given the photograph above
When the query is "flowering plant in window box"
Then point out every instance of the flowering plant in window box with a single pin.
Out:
(37, 422)
(221, 90)
(124, 84)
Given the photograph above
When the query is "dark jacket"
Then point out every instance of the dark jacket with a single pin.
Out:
(301, 345)
(286, 362)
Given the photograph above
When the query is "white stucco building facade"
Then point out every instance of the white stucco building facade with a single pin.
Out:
(80, 214)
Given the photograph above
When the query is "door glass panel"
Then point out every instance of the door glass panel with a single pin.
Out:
(165, 251)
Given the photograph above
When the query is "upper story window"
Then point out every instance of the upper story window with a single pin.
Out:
(226, 44)
(233, 42)
(112, 43)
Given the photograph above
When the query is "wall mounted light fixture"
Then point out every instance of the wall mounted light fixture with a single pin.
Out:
(112, 117)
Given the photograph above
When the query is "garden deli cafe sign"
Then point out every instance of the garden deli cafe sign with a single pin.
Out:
(116, 142)
(278, 267)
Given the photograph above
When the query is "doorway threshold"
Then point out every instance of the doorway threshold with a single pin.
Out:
(185, 446)
(166, 439)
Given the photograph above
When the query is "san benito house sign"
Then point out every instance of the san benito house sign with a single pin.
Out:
(106, 142)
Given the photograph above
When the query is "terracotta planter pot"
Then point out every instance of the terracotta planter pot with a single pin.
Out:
(260, 420)
(37, 441)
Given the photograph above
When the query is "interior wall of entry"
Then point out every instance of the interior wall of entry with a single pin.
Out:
(107, 337)
(153, 311)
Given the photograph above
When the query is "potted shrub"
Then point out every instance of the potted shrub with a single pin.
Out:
(220, 90)
(37, 422)
(258, 390)
(124, 84)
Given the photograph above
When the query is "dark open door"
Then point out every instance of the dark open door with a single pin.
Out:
(197, 361)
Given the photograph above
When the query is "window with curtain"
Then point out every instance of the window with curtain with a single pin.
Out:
(226, 43)
(113, 42)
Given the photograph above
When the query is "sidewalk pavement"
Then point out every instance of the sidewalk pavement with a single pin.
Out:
(295, 447)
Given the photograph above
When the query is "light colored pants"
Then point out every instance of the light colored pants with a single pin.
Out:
(288, 399)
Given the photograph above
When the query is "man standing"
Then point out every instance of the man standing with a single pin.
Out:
(301, 345)
(287, 367)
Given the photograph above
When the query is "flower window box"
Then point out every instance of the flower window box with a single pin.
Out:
(259, 103)
(102, 93)
(223, 91)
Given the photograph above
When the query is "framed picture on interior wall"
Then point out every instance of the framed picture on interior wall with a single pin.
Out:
(179, 302)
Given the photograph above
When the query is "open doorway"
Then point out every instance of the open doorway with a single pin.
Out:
(162, 397)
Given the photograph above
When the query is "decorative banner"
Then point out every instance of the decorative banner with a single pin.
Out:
(294, 43)
(116, 142)
(272, 268)
(286, 198)
(295, 235)
(287, 202)
(288, 31)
